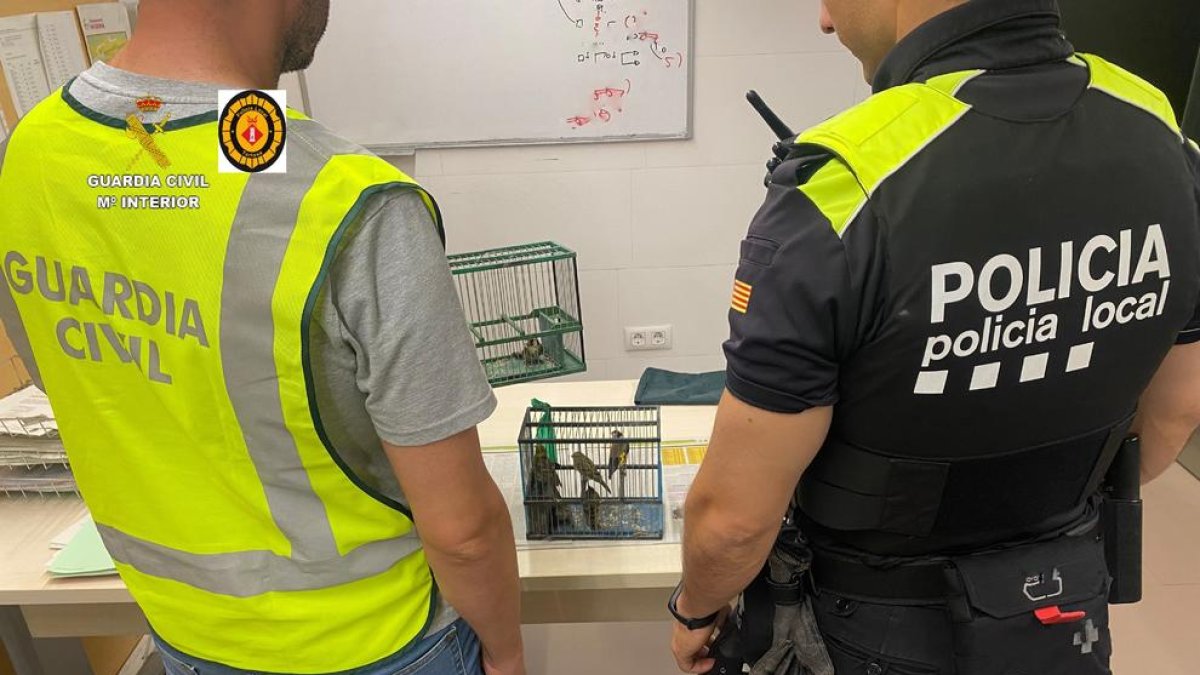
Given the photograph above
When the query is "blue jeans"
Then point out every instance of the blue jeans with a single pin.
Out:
(453, 651)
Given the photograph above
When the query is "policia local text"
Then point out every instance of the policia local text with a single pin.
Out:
(956, 281)
(134, 300)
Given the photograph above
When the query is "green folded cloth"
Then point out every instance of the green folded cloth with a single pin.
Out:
(663, 387)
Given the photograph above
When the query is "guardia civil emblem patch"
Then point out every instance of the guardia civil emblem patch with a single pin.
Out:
(252, 131)
(143, 130)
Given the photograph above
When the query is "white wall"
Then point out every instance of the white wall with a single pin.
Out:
(657, 225)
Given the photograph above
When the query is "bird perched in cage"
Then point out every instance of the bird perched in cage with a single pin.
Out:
(544, 479)
(618, 452)
(591, 507)
(532, 353)
(587, 468)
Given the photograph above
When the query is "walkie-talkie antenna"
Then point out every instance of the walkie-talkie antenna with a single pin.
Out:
(782, 130)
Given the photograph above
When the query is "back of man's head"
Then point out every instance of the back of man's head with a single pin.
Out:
(261, 36)
(872, 28)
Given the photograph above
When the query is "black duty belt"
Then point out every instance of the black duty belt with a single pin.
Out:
(920, 581)
(853, 489)
(912, 583)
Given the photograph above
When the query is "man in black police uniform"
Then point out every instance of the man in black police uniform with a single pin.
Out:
(959, 293)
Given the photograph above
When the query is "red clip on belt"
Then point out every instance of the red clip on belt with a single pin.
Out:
(1051, 616)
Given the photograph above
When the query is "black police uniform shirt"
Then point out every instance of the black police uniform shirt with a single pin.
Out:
(1015, 284)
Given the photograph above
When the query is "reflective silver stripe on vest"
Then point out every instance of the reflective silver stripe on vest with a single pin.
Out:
(320, 140)
(250, 573)
(262, 230)
(11, 317)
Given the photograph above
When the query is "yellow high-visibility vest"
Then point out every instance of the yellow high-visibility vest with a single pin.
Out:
(168, 312)
(877, 137)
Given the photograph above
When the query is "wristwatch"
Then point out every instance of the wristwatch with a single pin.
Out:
(690, 624)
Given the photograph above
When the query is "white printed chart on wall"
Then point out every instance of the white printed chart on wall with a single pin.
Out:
(428, 73)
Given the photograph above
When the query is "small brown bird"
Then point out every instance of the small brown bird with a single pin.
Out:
(587, 468)
(532, 353)
(618, 452)
(591, 507)
(544, 479)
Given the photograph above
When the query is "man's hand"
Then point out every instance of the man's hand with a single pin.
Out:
(692, 648)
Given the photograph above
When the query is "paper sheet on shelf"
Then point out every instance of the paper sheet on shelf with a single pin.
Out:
(27, 414)
(62, 52)
(30, 481)
(63, 538)
(21, 60)
(105, 29)
(32, 457)
(31, 453)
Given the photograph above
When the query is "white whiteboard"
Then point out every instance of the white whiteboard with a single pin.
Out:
(400, 74)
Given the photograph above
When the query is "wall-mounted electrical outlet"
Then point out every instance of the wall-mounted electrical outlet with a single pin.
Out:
(649, 338)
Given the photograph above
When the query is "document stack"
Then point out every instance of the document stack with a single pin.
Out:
(32, 459)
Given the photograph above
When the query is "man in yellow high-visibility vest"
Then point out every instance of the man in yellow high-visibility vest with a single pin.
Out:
(263, 380)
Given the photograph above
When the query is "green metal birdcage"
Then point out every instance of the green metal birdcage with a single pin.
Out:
(522, 304)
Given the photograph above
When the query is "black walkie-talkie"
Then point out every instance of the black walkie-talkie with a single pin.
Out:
(778, 127)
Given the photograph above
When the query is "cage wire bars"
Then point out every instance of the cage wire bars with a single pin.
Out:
(592, 473)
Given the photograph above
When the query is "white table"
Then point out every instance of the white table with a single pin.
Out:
(42, 618)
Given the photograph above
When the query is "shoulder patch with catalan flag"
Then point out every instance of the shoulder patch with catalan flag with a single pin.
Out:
(741, 296)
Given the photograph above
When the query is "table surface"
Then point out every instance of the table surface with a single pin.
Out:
(28, 524)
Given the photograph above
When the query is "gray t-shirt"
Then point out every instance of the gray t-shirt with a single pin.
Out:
(391, 354)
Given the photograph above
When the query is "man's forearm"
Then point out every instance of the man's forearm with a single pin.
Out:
(717, 564)
(738, 501)
(480, 580)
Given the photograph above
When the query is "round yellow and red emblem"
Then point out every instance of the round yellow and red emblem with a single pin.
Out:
(252, 130)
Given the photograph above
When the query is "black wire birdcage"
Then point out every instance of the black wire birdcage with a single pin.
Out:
(592, 473)
(522, 303)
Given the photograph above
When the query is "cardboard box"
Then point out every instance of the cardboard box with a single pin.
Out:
(108, 654)
(6, 667)
(13, 375)
(105, 654)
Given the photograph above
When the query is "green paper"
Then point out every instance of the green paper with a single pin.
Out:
(84, 556)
